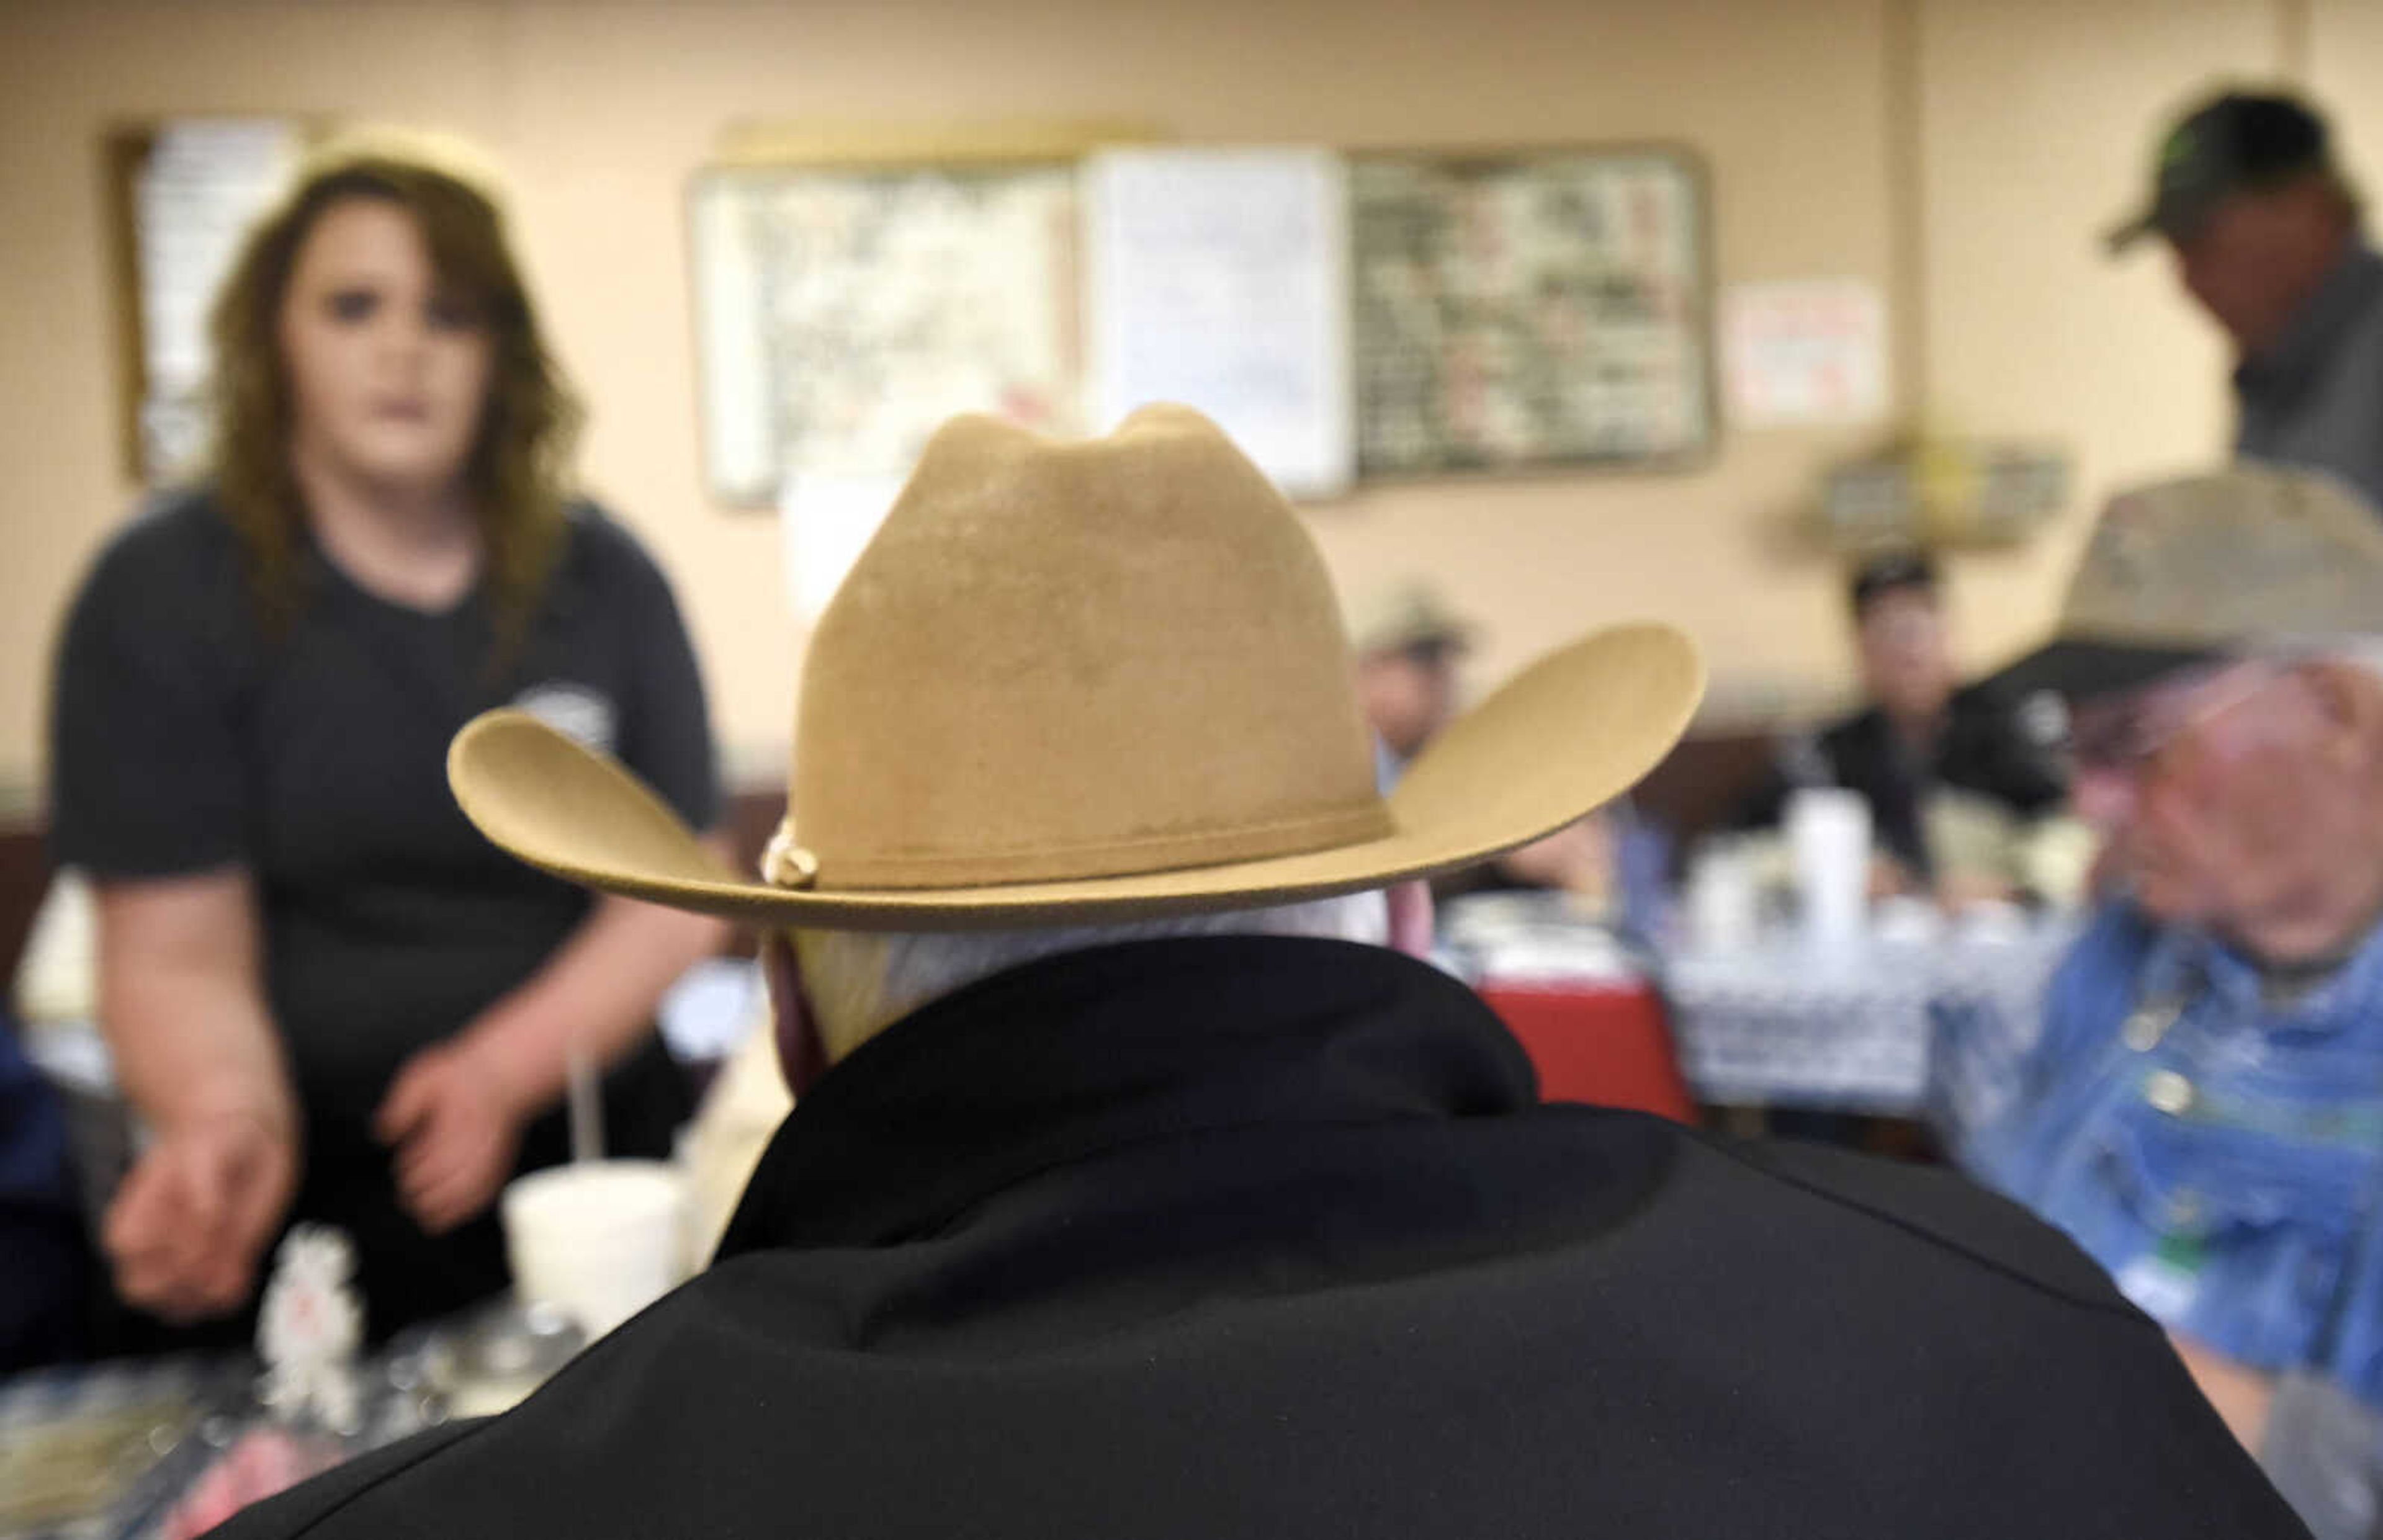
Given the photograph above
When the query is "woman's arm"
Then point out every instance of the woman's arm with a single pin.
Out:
(456, 1110)
(182, 1006)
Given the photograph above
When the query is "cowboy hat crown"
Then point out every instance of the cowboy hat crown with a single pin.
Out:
(1086, 681)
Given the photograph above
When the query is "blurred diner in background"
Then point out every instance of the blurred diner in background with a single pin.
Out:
(1958, 779)
(370, 366)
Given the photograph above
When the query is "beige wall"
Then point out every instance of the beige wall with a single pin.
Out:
(2037, 122)
(2031, 122)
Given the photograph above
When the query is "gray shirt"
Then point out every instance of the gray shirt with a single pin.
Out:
(2315, 399)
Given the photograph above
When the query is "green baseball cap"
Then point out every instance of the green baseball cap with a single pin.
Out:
(2240, 141)
(2254, 560)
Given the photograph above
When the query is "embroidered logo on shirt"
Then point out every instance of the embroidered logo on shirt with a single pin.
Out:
(575, 710)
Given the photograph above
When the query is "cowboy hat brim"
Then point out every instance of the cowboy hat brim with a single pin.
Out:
(1569, 734)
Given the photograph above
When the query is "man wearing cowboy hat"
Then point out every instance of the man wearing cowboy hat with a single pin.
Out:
(1127, 1196)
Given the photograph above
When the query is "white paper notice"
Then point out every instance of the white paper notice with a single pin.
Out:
(205, 181)
(1220, 279)
(732, 315)
(1804, 353)
(825, 523)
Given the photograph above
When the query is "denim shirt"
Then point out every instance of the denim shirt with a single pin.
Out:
(2221, 1155)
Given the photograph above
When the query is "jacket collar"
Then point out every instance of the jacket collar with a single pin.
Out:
(2316, 331)
(1061, 1059)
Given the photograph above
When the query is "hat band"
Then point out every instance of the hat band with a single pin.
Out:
(1047, 863)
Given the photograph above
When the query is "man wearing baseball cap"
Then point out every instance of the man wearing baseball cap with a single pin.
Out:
(2269, 238)
(1131, 1192)
(2203, 1112)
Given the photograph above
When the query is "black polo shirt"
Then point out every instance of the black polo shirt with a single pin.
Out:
(186, 738)
(1267, 1236)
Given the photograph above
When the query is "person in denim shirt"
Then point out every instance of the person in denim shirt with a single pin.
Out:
(2216, 1146)
(2203, 1110)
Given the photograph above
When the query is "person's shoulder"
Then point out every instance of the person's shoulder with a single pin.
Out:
(2095, 980)
(177, 556)
(2367, 261)
(2117, 938)
(602, 552)
(337, 1501)
(1891, 1206)
(177, 537)
(1852, 731)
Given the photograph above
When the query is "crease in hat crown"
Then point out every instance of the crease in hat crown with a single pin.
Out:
(1064, 660)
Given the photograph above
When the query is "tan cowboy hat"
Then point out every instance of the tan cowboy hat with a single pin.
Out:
(1071, 682)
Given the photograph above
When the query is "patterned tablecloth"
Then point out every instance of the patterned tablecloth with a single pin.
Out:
(1918, 1019)
(1886, 1026)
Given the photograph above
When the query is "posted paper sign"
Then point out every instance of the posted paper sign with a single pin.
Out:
(205, 182)
(1220, 279)
(1807, 353)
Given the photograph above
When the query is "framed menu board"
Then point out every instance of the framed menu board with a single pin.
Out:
(1538, 309)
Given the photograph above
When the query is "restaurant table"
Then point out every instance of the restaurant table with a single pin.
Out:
(1913, 1020)
(112, 1450)
(103, 1450)
(1886, 1024)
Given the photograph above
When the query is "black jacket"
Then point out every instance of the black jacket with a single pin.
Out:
(1244, 1236)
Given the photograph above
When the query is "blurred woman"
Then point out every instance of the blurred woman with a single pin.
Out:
(325, 995)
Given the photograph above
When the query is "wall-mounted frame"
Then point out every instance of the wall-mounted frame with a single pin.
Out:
(179, 196)
(855, 286)
(1539, 308)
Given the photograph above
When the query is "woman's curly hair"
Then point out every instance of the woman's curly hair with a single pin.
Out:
(517, 472)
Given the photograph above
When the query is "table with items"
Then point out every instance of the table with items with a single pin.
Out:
(1877, 1023)
(1874, 1026)
(163, 1448)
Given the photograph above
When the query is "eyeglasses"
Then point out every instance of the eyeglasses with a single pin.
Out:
(2126, 738)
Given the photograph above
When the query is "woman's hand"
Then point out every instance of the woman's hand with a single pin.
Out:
(190, 1219)
(456, 1111)
(456, 1131)
(183, 1005)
